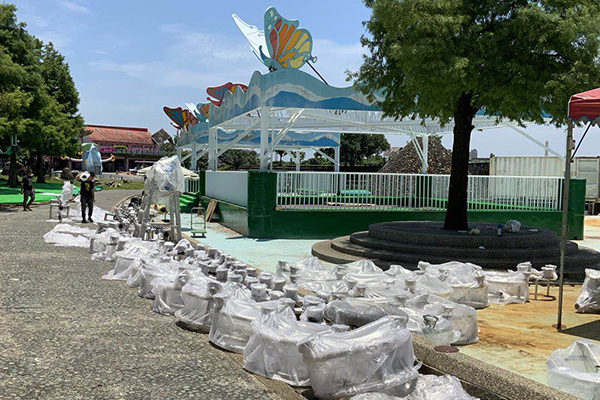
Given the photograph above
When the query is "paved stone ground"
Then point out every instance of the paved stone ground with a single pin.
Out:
(67, 334)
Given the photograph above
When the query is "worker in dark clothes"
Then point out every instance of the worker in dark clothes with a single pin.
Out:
(27, 191)
(86, 192)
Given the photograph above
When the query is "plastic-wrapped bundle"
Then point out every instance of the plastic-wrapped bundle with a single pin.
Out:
(588, 300)
(150, 271)
(166, 175)
(197, 296)
(422, 283)
(437, 330)
(356, 312)
(232, 318)
(362, 267)
(376, 357)
(463, 318)
(309, 269)
(167, 295)
(135, 249)
(271, 351)
(507, 287)
(453, 272)
(575, 370)
(474, 294)
(428, 387)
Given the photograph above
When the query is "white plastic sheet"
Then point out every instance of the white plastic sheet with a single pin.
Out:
(135, 249)
(576, 369)
(376, 357)
(588, 300)
(69, 236)
(166, 175)
(271, 351)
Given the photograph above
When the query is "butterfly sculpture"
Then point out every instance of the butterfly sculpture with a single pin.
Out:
(203, 107)
(288, 45)
(181, 118)
(218, 92)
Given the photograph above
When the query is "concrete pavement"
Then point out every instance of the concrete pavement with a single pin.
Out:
(67, 334)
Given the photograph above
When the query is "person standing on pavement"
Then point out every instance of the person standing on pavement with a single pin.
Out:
(27, 190)
(86, 192)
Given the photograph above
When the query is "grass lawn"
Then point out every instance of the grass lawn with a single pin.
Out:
(45, 192)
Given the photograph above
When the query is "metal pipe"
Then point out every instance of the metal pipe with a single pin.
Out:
(565, 209)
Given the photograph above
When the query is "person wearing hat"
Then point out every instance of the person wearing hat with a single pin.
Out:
(27, 190)
(86, 192)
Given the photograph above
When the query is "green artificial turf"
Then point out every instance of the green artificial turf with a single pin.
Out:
(44, 192)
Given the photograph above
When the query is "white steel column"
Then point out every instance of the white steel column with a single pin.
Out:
(336, 155)
(212, 149)
(425, 161)
(194, 161)
(297, 159)
(264, 137)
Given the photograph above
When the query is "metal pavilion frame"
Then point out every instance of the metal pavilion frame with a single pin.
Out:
(275, 122)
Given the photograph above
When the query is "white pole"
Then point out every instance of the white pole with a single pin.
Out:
(563, 234)
(212, 149)
(424, 164)
(264, 137)
(336, 156)
(194, 157)
(297, 159)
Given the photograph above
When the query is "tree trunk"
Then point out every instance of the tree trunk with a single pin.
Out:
(39, 167)
(456, 214)
(13, 177)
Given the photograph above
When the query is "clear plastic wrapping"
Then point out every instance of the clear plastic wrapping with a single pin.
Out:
(463, 319)
(507, 287)
(432, 387)
(376, 357)
(588, 300)
(356, 312)
(232, 318)
(428, 387)
(167, 295)
(576, 369)
(271, 351)
(197, 296)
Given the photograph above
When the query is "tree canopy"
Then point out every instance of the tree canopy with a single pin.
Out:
(356, 148)
(451, 58)
(38, 98)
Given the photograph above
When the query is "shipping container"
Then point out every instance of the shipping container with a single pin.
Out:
(526, 166)
(588, 168)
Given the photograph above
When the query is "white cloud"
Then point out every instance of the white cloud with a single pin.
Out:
(75, 7)
(101, 52)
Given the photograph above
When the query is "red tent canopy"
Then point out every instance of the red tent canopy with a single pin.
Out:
(585, 105)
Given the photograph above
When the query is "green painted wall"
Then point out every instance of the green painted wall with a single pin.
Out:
(262, 196)
(262, 220)
(230, 215)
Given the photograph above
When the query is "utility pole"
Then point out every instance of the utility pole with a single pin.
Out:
(13, 179)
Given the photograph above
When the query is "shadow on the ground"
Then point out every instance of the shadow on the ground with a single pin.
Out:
(591, 330)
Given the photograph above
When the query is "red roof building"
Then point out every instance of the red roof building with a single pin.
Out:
(132, 147)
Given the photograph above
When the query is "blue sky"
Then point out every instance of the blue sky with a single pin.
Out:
(130, 58)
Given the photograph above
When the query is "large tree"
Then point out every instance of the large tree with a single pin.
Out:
(37, 92)
(448, 59)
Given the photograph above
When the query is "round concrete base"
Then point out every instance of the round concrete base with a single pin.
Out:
(407, 243)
